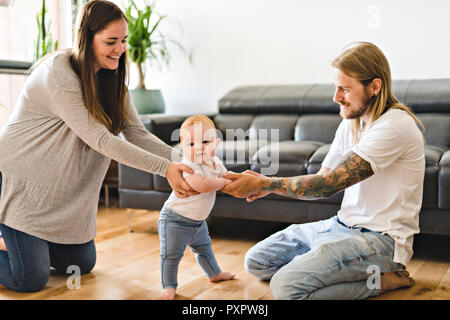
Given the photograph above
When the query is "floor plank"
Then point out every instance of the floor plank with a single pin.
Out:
(128, 264)
(443, 290)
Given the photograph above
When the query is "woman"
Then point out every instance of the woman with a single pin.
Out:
(56, 150)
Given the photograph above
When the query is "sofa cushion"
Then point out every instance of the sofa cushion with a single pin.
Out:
(264, 99)
(400, 88)
(238, 154)
(444, 181)
(430, 184)
(319, 100)
(284, 158)
(161, 183)
(317, 127)
(437, 128)
(280, 170)
(273, 127)
(428, 95)
(131, 178)
(315, 161)
(233, 126)
(291, 99)
(433, 155)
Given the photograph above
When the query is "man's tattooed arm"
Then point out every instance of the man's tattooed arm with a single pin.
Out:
(352, 169)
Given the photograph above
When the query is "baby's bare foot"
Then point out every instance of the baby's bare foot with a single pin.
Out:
(222, 276)
(2, 244)
(395, 280)
(168, 294)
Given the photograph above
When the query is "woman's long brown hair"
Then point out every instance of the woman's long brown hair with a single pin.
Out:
(104, 93)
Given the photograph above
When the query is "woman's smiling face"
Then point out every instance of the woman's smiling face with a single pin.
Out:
(109, 45)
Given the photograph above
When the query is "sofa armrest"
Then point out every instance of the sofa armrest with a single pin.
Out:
(444, 181)
(315, 161)
(131, 178)
(164, 126)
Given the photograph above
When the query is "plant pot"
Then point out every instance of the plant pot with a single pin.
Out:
(147, 101)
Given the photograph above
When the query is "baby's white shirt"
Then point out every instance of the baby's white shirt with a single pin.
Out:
(197, 207)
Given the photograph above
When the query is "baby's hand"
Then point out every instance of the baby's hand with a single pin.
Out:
(227, 181)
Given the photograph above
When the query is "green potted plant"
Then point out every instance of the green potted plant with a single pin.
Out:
(44, 43)
(147, 44)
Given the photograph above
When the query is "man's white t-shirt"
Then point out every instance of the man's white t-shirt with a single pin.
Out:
(390, 200)
(199, 206)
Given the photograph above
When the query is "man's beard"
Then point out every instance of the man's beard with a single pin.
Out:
(356, 114)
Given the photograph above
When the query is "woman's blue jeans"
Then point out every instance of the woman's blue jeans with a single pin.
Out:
(175, 233)
(323, 260)
(25, 267)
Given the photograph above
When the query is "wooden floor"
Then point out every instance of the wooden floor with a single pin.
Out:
(128, 264)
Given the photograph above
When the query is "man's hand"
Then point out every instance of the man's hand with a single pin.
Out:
(174, 176)
(259, 194)
(242, 185)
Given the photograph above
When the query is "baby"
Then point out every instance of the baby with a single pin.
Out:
(182, 221)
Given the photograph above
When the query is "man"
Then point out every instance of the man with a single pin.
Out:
(377, 157)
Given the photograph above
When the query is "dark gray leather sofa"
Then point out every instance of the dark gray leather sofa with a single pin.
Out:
(306, 118)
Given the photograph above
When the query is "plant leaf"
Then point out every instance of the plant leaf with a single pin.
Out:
(145, 41)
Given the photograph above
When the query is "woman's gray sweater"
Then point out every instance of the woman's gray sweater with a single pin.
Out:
(51, 180)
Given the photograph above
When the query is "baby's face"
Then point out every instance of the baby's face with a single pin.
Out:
(199, 142)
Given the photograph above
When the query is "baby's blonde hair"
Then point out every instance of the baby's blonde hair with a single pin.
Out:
(190, 121)
(197, 118)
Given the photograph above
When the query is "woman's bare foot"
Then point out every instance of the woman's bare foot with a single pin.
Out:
(222, 276)
(2, 244)
(168, 294)
(395, 280)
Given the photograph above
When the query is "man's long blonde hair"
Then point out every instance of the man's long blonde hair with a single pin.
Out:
(365, 62)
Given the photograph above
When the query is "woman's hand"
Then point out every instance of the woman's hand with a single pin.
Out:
(174, 176)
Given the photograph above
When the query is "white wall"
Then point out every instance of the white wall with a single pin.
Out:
(18, 33)
(238, 42)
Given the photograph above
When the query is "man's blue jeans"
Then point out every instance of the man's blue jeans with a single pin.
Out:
(175, 233)
(322, 260)
(25, 267)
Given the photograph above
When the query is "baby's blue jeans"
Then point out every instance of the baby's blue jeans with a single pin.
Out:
(175, 233)
(323, 260)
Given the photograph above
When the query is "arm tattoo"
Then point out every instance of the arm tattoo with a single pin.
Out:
(352, 169)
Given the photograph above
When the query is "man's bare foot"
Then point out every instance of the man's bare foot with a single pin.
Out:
(395, 280)
(168, 294)
(2, 244)
(222, 276)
